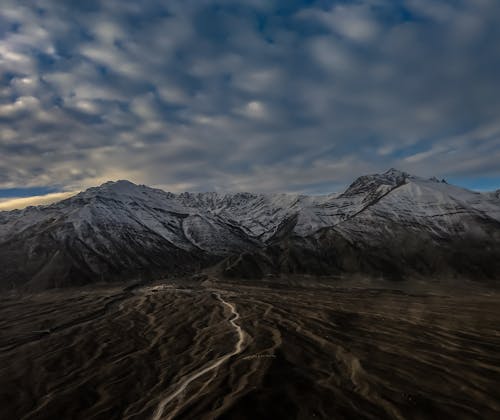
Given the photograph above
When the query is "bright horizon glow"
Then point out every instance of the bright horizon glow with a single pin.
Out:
(38, 200)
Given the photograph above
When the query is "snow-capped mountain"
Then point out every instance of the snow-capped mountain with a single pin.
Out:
(122, 230)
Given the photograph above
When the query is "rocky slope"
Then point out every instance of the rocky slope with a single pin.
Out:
(392, 225)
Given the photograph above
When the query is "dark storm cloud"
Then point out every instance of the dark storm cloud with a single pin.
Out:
(247, 95)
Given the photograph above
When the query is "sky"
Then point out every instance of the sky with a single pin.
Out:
(248, 95)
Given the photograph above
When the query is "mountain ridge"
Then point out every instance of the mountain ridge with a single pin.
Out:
(121, 230)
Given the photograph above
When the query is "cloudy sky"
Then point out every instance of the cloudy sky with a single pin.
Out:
(256, 95)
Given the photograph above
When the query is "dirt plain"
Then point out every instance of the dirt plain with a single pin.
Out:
(300, 348)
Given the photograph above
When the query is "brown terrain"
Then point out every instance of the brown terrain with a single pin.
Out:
(297, 349)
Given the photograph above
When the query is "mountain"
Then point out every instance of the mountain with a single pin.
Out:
(392, 224)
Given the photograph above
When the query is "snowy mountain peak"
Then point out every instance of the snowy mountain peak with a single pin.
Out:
(116, 187)
(396, 174)
(123, 190)
(123, 187)
(121, 183)
(377, 184)
(435, 179)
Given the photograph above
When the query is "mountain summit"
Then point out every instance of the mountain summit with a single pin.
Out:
(392, 224)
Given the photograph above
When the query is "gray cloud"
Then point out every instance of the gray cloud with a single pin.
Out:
(266, 95)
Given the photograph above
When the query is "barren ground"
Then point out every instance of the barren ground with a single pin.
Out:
(307, 349)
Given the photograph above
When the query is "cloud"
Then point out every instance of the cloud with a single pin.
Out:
(356, 22)
(21, 104)
(258, 95)
(254, 109)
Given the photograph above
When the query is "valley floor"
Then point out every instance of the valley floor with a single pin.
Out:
(246, 350)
